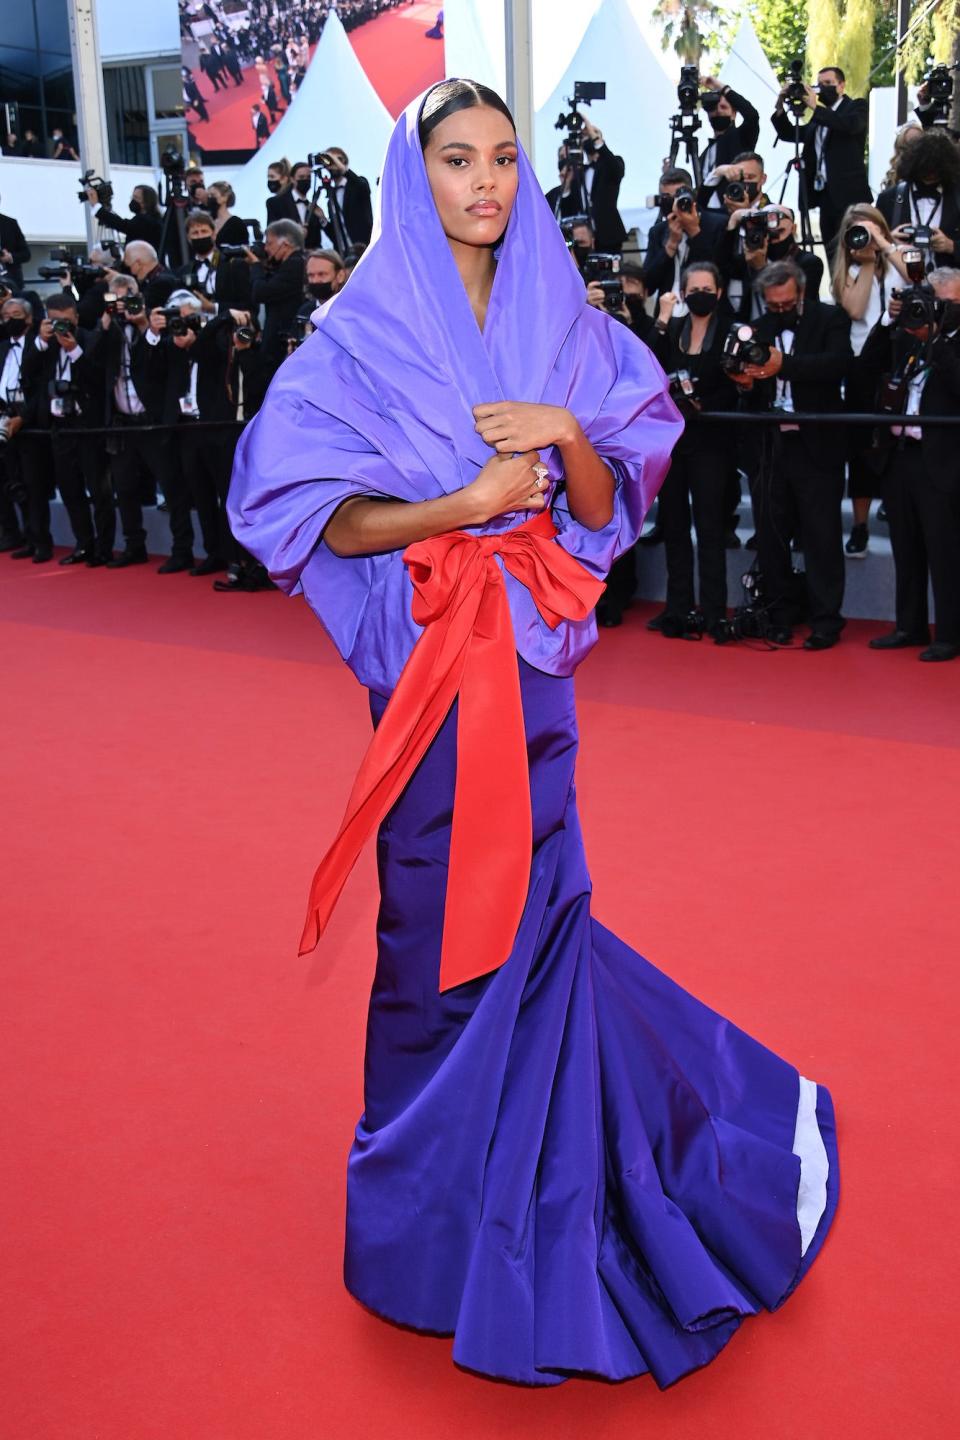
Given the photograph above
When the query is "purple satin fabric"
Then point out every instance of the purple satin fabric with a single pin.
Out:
(571, 1165)
(379, 402)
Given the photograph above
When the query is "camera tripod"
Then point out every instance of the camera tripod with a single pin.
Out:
(323, 180)
(173, 248)
(795, 163)
(683, 132)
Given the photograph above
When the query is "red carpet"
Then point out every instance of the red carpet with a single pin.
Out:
(179, 1089)
(398, 59)
(229, 126)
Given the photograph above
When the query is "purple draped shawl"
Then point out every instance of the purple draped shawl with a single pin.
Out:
(379, 402)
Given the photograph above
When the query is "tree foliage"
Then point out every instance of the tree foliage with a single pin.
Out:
(781, 27)
(856, 44)
(823, 34)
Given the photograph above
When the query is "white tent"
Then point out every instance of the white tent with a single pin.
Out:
(474, 42)
(748, 71)
(335, 105)
(634, 116)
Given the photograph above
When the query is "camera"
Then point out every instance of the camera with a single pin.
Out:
(688, 90)
(238, 252)
(584, 93)
(90, 180)
(52, 272)
(172, 162)
(604, 270)
(683, 392)
(857, 238)
(939, 83)
(133, 304)
(742, 190)
(920, 309)
(742, 348)
(64, 404)
(178, 324)
(709, 100)
(756, 227)
(246, 334)
(915, 264)
(795, 95)
(64, 327)
(684, 201)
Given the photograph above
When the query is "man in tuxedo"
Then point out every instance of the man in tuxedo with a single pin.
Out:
(277, 284)
(154, 281)
(293, 202)
(833, 141)
(146, 222)
(921, 482)
(132, 400)
(683, 234)
(730, 139)
(69, 396)
(14, 250)
(24, 532)
(261, 126)
(927, 193)
(798, 479)
(353, 201)
(595, 193)
(743, 260)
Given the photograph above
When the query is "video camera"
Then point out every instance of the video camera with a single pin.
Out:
(173, 162)
(90, 180)
(795, 94)
(577, 145)
(939, 83)
(604, 270)
(742, 348)
(688, 89)
(238, 252)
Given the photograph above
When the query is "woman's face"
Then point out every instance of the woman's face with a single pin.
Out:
(471, 160)
(700, 281)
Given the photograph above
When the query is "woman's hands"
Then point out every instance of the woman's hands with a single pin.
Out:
(508, 482)
(508, 426)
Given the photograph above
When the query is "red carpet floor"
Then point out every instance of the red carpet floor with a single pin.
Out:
(228, 126)
(394, 51)
(178, 1091)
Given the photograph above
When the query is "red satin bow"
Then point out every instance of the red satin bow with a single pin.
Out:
(467, 648)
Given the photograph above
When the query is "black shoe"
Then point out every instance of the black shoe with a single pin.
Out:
(95, 561)
(210, 566)
(175, 565)
(24, 553)
(940, 650)
(779, 635)
(41, 555)
(819, 641)
(897, 640)
(609, 616)
(10, 542)
(656, 621)
(652, 537)
(128, 557)
(731, 540)
(751, 544)
(675, 627)
(76, 557)
(858, 544)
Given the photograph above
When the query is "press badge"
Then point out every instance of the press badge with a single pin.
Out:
(188, 407)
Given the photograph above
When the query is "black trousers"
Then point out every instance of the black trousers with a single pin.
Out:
(155, 453)
(206, 459)
(797, 495)
(82, 477)
(925, 538)
(702, 476)
(14, 497)
(26, 483)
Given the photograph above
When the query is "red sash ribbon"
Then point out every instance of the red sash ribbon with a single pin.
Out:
(467, 649)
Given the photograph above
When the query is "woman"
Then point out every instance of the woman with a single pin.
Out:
(229, 228)
(908, 132)
(863, 277)
(692, 345)
(564, 1159)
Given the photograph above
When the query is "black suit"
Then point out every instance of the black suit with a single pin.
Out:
(608, 228)
(24, 483)
(898, 207)
(147, 226)
(659, 268)
(724, 148)
(11, 238)
(357, 208)
(279, 289)
(79, 462)
(843, 156)
(798, 484)
(733, 265)
(284, 207)
(921, 492)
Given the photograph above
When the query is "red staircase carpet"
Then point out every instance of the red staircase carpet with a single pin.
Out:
(178, 1089)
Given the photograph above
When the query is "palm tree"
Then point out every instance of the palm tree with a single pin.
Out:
(679, 21)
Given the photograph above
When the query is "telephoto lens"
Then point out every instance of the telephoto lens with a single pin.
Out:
(857, 238)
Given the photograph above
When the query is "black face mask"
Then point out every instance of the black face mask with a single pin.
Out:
(777, 249)
(828, 94)
(702, 302)
(274, 186)
(202, 245)
(135, 207)
(580, 253)
(785, 320)
(321, 290)
(720, 123)
(637, 307)
(303, 184)
(212, 206)
(14, 328)
(951, 315)
(927, 189)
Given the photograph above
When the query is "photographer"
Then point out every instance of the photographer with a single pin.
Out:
(189, 362)
(797, 474)
(147, 221)
(220, 280)
(154, 281)
(594, 192)
(914, 355)
(833, 141)
(14, 250)
(690, 349)
(325, 276)
(69, 396)
(293, 202)
(142, 461)
(763, 234)
(721, 105)
(681, 235)
(277, 284)
(923, 207)
(22, 485)
(351, 196)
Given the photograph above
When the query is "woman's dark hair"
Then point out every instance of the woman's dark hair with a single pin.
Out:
(933, 154)
(703, 267)
(151, 200)
(452, 95)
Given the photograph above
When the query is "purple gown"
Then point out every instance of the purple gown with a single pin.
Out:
(570, 1164)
